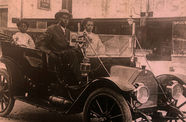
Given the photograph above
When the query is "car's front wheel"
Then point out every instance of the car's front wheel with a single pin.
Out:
(180, 114)
(6, 99)
(106, 105)
(174, 108)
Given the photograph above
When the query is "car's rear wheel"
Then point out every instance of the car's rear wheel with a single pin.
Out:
(6, 98)
(106, 105)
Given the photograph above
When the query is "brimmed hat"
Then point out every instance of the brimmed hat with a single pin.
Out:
(61, 12)
(19, 22)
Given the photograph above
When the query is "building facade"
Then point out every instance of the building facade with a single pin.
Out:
(89, 8)
(127, 8)
(10, 9)
(3, 13)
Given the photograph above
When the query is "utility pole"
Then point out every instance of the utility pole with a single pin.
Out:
(22, 2)
(64, 4)
(67, 4)
(147, 6)
(149, 10)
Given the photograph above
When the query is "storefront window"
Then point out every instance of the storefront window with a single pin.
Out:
(179, 37)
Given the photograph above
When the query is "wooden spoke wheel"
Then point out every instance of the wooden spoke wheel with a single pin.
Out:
(180, 105)
(6, 99)
(106, 105)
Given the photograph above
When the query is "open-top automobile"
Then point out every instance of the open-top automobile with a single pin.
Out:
(113, 90)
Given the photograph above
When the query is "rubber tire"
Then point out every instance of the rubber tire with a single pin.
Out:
(114, 95)
(11, 102)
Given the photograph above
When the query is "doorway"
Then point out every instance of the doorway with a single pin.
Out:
(3, 17)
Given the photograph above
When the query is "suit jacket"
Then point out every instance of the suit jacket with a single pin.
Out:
(54, 39)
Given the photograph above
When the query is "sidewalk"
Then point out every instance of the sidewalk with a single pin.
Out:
(163, 67)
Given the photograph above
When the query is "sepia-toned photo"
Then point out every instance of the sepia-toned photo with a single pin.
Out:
(92, 61)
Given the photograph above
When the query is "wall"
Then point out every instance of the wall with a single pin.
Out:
(169, 8)
(125, 8)
(3, 3)
(30, 10)
(105, 8)
(14, 11)
(96, 8)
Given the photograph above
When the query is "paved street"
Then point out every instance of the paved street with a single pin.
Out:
(23, 112)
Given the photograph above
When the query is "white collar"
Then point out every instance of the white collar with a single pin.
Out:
(63, 28)
(87, 32)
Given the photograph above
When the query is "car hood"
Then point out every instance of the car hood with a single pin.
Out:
(124, 76)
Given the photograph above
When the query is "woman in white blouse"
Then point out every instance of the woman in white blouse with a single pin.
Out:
(95, 41)
(21, 38)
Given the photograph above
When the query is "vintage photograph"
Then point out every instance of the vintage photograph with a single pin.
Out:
(92, 60)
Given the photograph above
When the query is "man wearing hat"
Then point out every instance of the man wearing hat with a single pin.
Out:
(55, 42)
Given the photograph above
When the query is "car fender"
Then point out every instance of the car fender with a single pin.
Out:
(120, 81)
(92, 86)
(14, 71)
(182, 77)
(179, 77)
(124, 86)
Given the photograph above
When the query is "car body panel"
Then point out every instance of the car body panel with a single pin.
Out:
(16, 75)
(181, 78)
(128, 76)
(121, 83)
(90, 87)
(148, 79)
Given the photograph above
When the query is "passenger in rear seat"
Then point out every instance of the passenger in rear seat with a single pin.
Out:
(21, 38)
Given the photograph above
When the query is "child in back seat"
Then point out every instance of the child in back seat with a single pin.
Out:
(21, 38)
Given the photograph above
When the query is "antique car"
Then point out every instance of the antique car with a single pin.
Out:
(113, 90)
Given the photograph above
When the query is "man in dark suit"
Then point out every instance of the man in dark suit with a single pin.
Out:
(55, 42)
